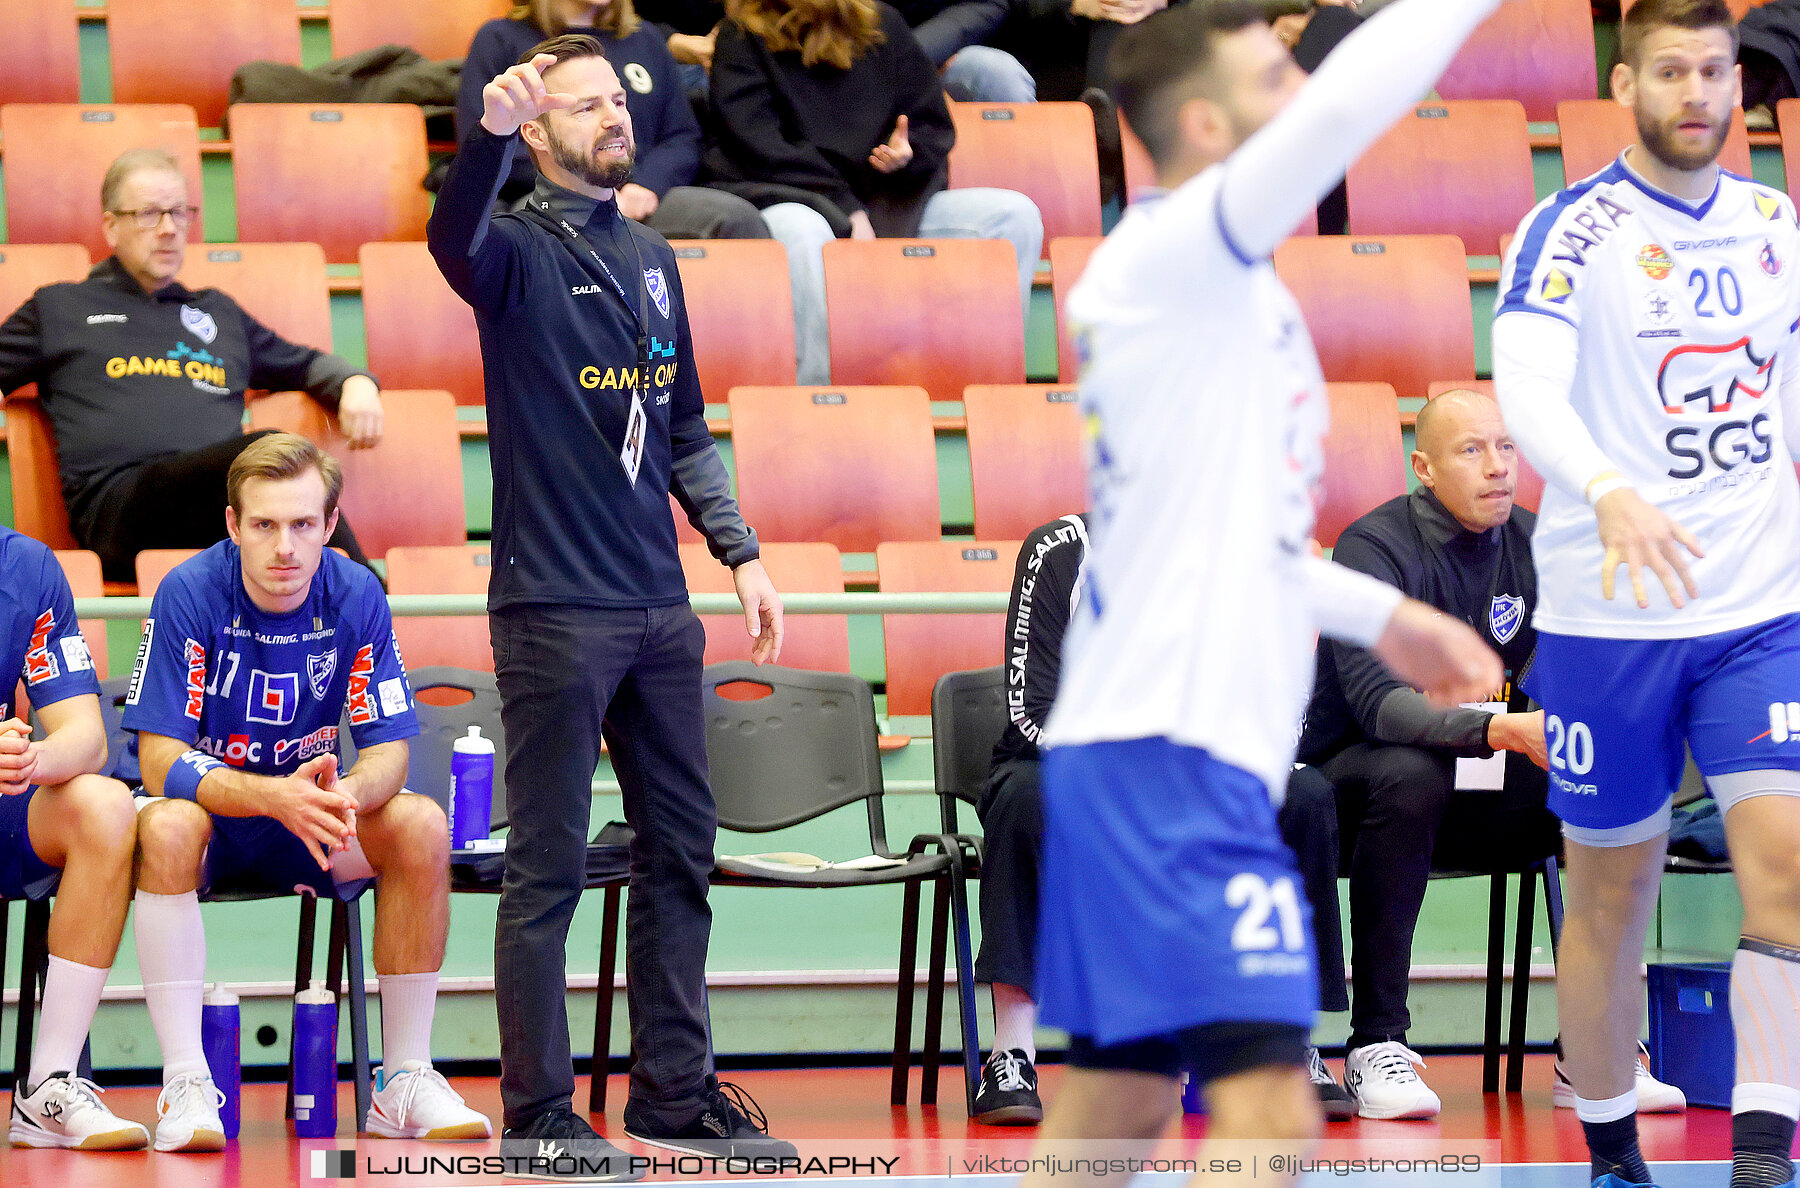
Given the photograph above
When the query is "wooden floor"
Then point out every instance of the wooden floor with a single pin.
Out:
(844, 1113)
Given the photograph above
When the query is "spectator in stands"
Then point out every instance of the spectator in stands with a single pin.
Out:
(144, 379)
(831, 118)
(1458, 543)
(58, 818)
(242, 772)
(660, 193)
(1045, 589)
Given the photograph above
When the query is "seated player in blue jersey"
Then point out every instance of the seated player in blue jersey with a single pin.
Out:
(254, 652)
(60, 821)
(1173, 932)
(1645, 355)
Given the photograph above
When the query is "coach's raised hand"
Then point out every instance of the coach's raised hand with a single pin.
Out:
(519, 95)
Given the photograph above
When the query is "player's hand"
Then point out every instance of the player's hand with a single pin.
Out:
(1636, 534)
(1523, 733)
(312, 807)
(1440, 656)
(896, 153)
(762, 611)
(18, 757)
(636, 202)
(519, 95)
(359, 412)
(693, 49)
(860, 226)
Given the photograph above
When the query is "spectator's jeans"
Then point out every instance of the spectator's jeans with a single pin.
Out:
(975, 213)
(983, 74)
(566, 675)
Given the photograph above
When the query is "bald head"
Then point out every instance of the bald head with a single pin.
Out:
(1466, 458)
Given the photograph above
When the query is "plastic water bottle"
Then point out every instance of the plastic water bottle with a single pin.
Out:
(219, 1038)
(315, 1062)
(471, 788)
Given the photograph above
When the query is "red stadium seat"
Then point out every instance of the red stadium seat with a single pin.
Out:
(40, 55)
(37, 503)
(922, 648)
(153, 565)
(818, 642)
(1458, 168)
(942, 313)
(1536, 51)
(281, 285)
(1045, 151)
(853, 466)
(27, 267)
(441, 30)
(741, 311)
(1391, 310)
(1787, 118)
(460, 641)
(82, 568)
(185, 51)
(1024, 457)
(283, 195)
(58, 153)
(1364, 465)
(420, 333)
(1068, 260)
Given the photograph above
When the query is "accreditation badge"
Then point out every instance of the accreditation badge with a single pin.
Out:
(631, 455)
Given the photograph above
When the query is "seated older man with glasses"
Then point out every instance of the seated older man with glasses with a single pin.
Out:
(144, 380)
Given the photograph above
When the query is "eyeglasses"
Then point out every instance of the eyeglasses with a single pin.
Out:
(149, 218)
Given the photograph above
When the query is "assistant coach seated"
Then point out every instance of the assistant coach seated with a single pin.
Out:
(144, 380)
(1459, 544)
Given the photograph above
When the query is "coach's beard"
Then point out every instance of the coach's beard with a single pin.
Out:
(607, 174)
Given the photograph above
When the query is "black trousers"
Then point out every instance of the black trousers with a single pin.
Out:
(174, 502)
(1012, 823)
(568, 676)
(1391, 801)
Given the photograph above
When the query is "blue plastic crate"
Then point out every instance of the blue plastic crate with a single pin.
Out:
(1691, 1042)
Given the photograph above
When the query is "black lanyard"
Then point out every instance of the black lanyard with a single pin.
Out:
(640, 312)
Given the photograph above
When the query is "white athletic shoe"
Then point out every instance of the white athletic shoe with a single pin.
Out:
(1653, 1096)
(416, 1102)
(187, 1112)
(1382, 1080)
(65, 1111)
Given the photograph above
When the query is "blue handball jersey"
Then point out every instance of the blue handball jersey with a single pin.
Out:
(40, 642)
(265, 692)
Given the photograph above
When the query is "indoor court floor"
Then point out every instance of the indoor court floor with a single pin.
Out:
(835, 1115)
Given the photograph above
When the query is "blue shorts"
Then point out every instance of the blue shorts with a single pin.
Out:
(260, 855)
(1167, 898)
(1617, 713)
(23, 875)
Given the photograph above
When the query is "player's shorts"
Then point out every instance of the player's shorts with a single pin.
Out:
(1618, 711)
(1209, 1051)
(259, 855)
(23, 875)
(1168, 899)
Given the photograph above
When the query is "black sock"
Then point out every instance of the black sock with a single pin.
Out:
(1760, 1145)
(1613, 1147)
(1362, 1039)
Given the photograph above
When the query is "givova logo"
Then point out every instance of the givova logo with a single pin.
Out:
(1784, 722)
(334, 1165)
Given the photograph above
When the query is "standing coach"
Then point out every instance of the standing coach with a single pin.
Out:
(595, 416)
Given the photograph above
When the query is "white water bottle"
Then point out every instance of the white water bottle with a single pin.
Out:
(471, 788)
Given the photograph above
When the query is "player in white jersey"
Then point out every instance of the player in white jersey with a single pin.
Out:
(1646, 361)
(1173, 933)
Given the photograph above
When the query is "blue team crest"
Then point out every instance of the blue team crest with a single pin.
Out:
(658, 288)
(318, 673)
(1506, 614)
(199, 323)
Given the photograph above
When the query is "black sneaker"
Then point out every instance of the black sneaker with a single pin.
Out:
(731, 1126)
(1334, 1099)
(557, 1145)
(1009, 1093)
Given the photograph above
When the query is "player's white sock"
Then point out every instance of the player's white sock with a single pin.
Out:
(1765, 986)
(71, 992)
(171, 951)
(407, 1004)
(1015, 1016)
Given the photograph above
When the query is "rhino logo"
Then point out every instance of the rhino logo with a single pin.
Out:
(1716, 374)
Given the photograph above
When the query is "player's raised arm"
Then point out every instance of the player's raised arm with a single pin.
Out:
(1366, 84)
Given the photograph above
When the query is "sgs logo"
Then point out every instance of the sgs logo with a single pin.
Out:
(1726, 445)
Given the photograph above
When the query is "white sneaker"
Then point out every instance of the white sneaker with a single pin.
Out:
(65, 1111)
(187, 1112)
(1653, 1096)
(1382, 1080)
(417, 1103)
